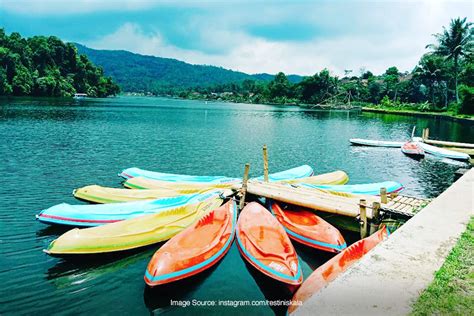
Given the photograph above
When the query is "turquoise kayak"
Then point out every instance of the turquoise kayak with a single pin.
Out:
(295, 173)
(290, 174)
(440, 152)
(100, 214)
(364, 189)
(170, 177)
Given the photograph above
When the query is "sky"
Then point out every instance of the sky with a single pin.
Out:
(296, 37)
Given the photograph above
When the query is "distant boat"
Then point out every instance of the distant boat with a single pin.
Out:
(375, 143)
(80, 95)
(413, 149)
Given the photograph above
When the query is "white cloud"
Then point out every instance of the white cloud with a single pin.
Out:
(348, 35)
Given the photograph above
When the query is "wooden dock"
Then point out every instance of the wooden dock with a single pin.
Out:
(463, 147)
(332, 202)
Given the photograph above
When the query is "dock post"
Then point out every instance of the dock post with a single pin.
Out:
(265, 163)
(383, 196)
(374, 225)
(243, 190)
(427, 133)
(363, 218)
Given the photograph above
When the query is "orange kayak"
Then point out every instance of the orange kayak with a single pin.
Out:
(262, 241)
(196, 248)
(337, 265)
(307, 228)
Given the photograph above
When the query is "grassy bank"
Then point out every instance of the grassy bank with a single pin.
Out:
(411, 112)
(452, 290)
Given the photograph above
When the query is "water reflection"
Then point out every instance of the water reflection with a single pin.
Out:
(54, 146)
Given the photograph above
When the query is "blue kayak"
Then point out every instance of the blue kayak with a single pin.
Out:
(364, 189)
(100, 214)
(295, 173)
(170, 177)
(290, 174)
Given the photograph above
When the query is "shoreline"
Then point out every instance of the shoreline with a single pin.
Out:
(440, 115)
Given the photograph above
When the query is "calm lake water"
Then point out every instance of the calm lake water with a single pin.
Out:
(50, 147)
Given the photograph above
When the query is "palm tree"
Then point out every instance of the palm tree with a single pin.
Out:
(455, 43)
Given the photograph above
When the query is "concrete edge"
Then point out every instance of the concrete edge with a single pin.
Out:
(390, 278)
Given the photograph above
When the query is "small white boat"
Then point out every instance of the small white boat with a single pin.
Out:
(440, 152)
(80, 95)
(375, 143)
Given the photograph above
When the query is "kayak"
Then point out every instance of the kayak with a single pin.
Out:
(375, 143)
(195, 249)
(441, 152)
(143, 183)
(305, 227)
(336, 177)
(147, 183)
(263, 242)
(336, 266)
(100, 214)
(363, 189)
(290, 174)
(413, 149)
(171, 177)
(132, 233)
(99, 194)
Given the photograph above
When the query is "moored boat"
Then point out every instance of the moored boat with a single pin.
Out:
(141, 182)
(99, 194)
(264, 244)
(441, 152)
(195, 249)
(305, 227)
(96, 215)
(330, 178)
(362, 189)
(132, 233)
(290, 174)
(413, 149)
(171, 177)
(375, 143)
(336, 265)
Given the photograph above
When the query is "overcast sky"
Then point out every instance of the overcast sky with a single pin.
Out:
(300, 37)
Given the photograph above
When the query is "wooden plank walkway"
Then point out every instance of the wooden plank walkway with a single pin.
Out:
(332, 202)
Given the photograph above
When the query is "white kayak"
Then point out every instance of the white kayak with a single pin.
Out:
(440, 152)
(375, 143)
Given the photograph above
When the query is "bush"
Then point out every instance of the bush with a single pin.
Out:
(467, 99)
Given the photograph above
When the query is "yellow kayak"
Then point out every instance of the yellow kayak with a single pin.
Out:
(159, 189)
(133, 233)
(331, 178)
(99, 194)
(190, 187)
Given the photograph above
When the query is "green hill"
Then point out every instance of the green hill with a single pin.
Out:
(139, 73)
(46, 66)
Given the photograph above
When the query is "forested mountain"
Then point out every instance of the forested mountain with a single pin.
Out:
(46, 66)
(140, 73)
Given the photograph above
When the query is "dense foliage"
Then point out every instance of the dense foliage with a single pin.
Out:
(45, 66)
(161, 76)
(441, 78)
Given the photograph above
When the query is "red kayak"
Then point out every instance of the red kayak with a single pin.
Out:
(307, 228)
(337, 265)
(413, 149)
(195, 249)
(263, 242)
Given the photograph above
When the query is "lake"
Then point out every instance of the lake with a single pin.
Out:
(49, 147)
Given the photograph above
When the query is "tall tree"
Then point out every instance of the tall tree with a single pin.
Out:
(454, 44)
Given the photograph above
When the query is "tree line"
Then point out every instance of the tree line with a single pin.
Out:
(442, 80)
(46, 66)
